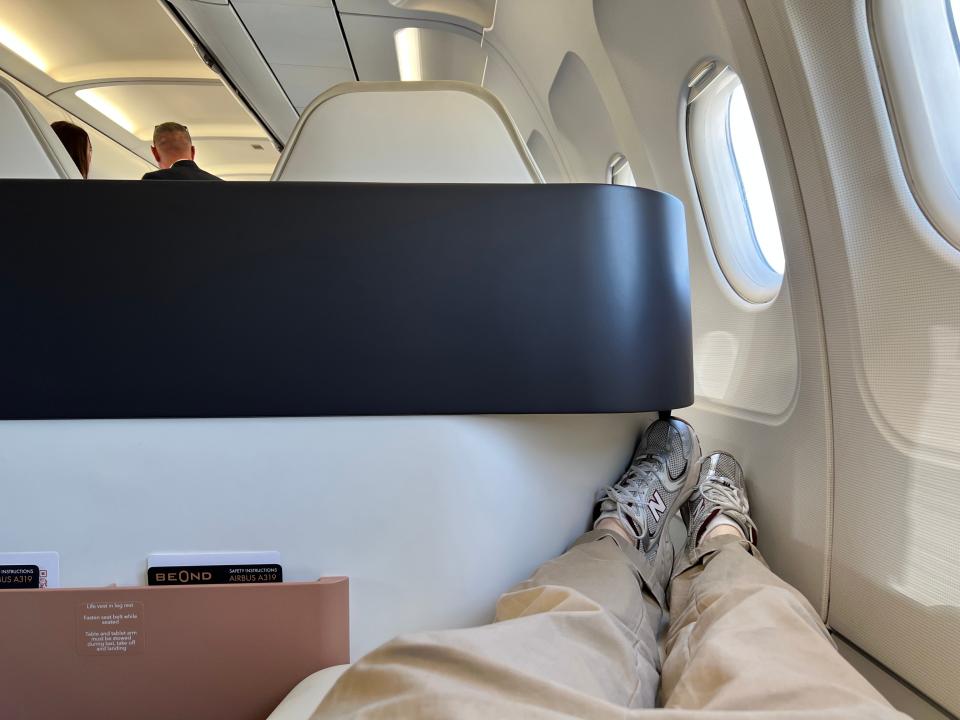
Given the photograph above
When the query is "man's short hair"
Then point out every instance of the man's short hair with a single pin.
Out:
(171, 131)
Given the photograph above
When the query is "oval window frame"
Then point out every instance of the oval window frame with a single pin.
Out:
(719, 185)
(917, 56)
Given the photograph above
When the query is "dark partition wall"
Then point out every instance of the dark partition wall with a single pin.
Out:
(128, 299)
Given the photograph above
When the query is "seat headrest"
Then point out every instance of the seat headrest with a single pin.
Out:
(28, 146)
(416, 132)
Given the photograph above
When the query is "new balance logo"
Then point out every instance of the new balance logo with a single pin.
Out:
(657, 506)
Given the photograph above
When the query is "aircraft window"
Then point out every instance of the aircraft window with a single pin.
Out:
(733, 184)
(919, 54)
(757, 196)
(619, 172)
(954, 17)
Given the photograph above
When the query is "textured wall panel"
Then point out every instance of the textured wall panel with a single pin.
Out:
(891, 300)
(759, 370)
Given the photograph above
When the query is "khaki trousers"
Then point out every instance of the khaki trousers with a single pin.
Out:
(580, 639)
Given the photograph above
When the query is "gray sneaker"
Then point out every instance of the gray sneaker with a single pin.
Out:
(660, 478)
(720, 489)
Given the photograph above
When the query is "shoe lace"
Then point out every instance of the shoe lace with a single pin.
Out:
(728, 498)
(630, 493)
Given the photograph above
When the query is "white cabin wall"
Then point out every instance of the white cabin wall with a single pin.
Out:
(430, 517)
(504, 79)
(582, 119)
(535, 36)
(546, 158)
(760, 370)
(891, 298)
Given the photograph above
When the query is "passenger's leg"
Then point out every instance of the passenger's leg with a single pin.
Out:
(578, 638)
(740, 638)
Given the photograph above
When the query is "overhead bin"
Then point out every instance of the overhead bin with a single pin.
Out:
(312, 299)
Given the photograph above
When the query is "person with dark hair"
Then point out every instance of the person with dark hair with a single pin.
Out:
(174, 151)
(77, 143)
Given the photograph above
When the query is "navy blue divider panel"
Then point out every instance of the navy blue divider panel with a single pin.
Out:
(147, 300)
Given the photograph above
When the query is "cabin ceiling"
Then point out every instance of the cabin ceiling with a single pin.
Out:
(78, 41)
(304, 46)
(123, 83)
(301, 42)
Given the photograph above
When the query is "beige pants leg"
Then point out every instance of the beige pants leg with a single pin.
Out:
(579, 640)
(741, 639)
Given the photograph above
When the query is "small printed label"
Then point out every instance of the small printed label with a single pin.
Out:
(45, 566)
(110, 628)
(214, 575)
(19, 577)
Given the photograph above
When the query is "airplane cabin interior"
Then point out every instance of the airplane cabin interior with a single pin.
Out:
(465, 252)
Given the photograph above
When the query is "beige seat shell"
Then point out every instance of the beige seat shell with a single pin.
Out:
(416, 132)
(28, 146)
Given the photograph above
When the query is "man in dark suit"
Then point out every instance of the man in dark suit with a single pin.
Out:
(173, 148)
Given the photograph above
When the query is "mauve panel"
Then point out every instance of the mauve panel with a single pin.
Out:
(154, 653)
